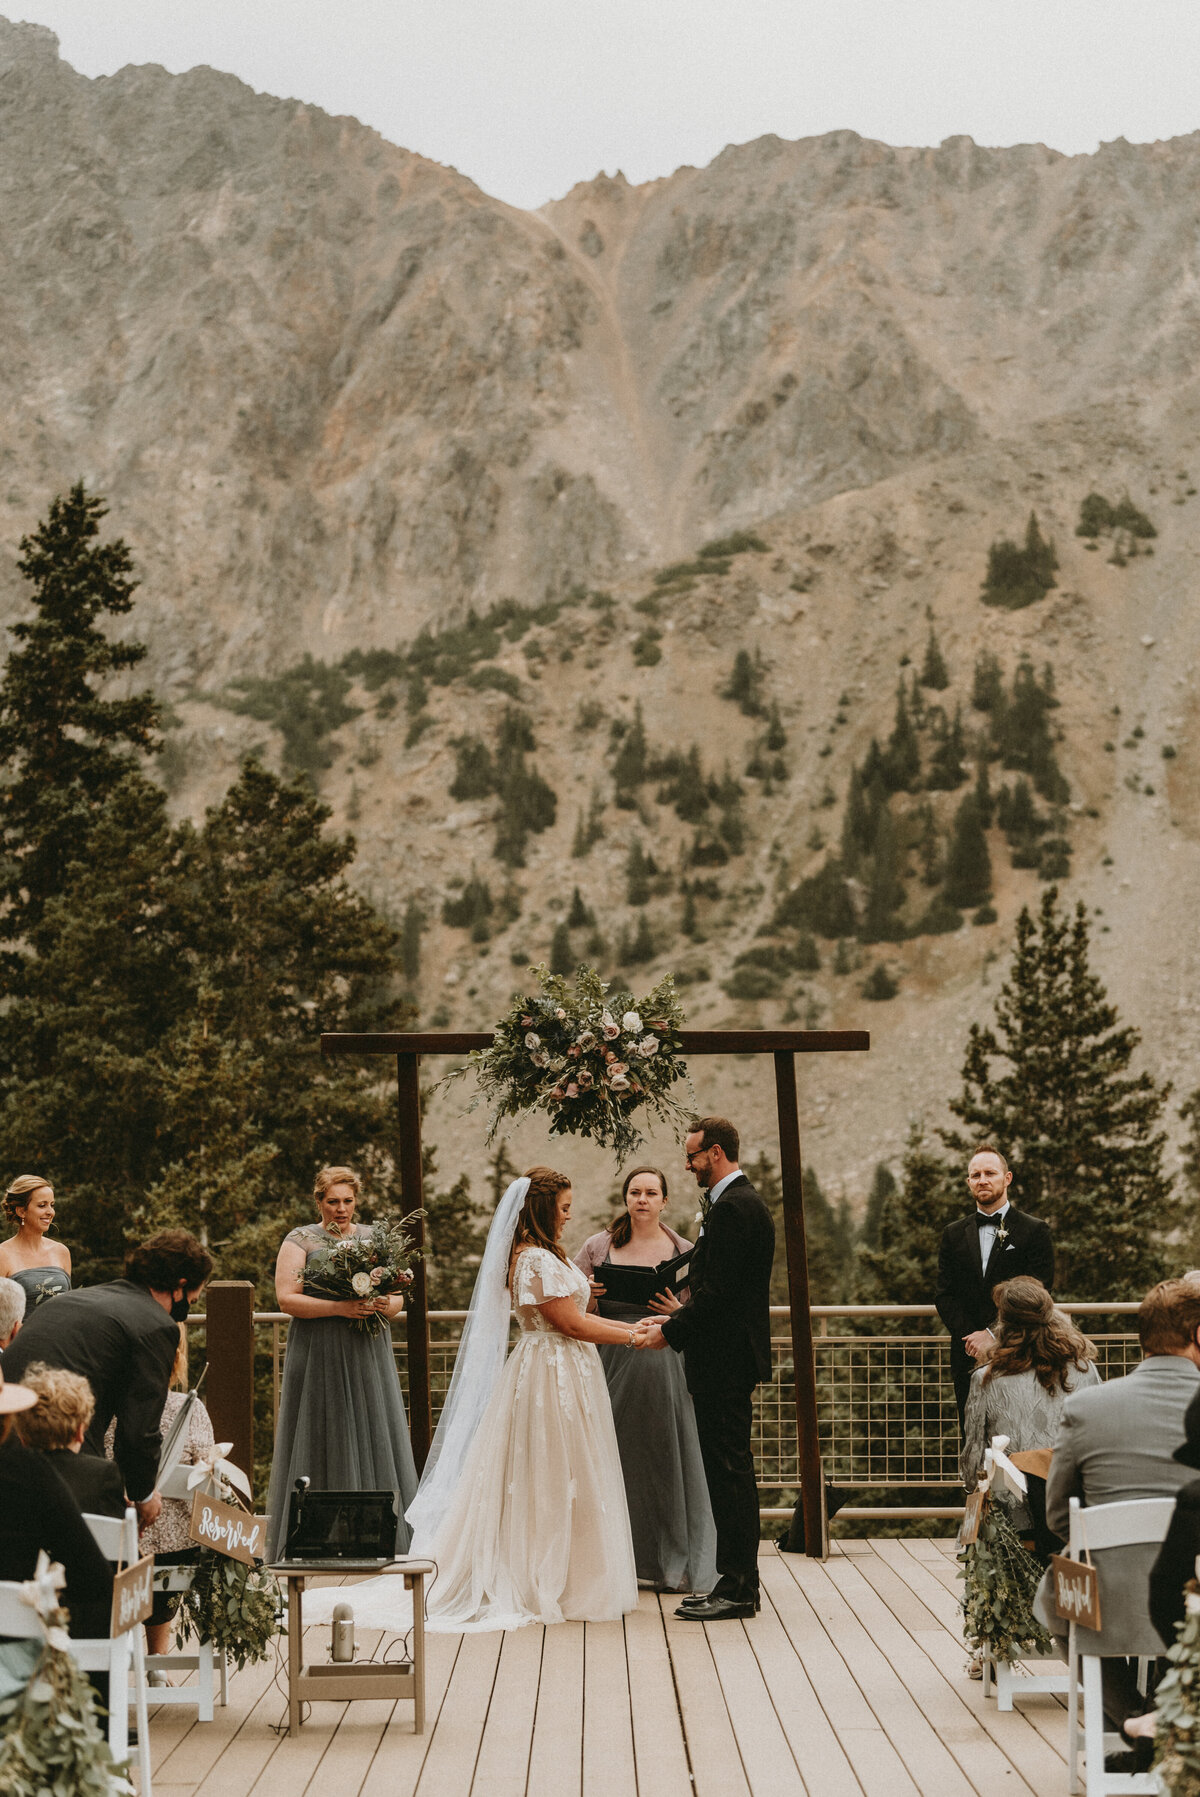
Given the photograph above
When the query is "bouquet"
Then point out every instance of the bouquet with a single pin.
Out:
(1000, 1583)
(366, 1266)
(588, 1059)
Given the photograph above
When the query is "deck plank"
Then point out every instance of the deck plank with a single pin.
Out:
(449, 1761)
(502, 1769)
(876, 1764)
(770, 1765)
(712, 1744)
(399, 1760)
(659, 1751)
(608, 1763)
(817, 1751)
(556, 1752)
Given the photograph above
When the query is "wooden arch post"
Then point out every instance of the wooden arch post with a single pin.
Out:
(783, 1046)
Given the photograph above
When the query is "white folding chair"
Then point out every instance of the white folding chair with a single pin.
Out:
(202, 1662)
(1128, 1524)
(1011, 1684)
(123, 1657)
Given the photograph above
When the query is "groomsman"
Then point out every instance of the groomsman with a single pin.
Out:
(724, 1335)
(992, 1243)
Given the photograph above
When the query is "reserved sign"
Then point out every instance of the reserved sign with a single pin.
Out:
(1076, 1591)
(968, 1528)
(230, 1531)
(133, 1596)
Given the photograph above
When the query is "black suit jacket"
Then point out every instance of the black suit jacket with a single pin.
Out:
(95, 1484)
(39, 1511)
(1176, 1563)
(964, 1295)
(724, 1329)
(124, 1344)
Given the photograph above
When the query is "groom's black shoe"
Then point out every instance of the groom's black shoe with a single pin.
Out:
(726, 1591)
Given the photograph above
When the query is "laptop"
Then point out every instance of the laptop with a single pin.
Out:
(328, 1531)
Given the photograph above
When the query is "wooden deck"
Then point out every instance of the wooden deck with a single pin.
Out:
(851, 1683)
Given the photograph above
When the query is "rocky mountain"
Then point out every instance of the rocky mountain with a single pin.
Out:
(337, 396)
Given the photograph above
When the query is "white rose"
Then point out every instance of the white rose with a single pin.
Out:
(532, 1041)
(631, 1023)
(361, 1283)
(609, 1027)
(648, 1046)
(586, 1041)
(561, 1014)
(619, 1083)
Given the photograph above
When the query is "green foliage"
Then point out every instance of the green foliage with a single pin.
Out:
(881, 920)
(968, 859)
(472, 907)
(1177, 1737)
(238, 1608)
(639, 869)
(745, 684)
(411, 930)
(940, 918)
(631, 766)
(883, 1187)
(741, 542)
(456, 1230)
(776, 738)
(821, 903)
(900, 1265)
(1080, 1130)
(1000, 1581)
(646, 650)
(52, 1740)
(562, 959)
(638, 949)
(1098, 517)
(879, 984)
(63, 747)
(579, 917)
(934, 672)
(946, 768)
(527, 803)
(589, 829)
(987, 684)
(900, 764)
(829, 1235)
(1019, 574)
(306, 704)
(474, 774)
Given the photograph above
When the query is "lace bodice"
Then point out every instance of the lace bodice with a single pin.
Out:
(538, 1276)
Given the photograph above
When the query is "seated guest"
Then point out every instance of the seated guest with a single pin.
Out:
(1019, 1391)
(39, 1512)
(1118, 1441)
(123, 1338)
(56, 1426)
(12, 1310)
(168, 1537)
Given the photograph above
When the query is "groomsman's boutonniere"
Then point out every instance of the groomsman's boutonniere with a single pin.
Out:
(1001, 1232)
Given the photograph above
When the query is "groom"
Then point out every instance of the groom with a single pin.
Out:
(724, 1335)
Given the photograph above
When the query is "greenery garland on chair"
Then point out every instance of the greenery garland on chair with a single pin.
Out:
(1177, 1700)
(238, 1608)
(1000, 1580)
(51, 1739)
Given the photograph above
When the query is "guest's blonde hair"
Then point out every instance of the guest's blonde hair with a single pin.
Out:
(65, 1406)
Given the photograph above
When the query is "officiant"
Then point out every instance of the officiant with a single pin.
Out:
(633, 1270)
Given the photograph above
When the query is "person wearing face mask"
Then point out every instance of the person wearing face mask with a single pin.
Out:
(674, 1537)
(122, 1337)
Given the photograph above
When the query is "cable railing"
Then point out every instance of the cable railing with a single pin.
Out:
(887, 1417)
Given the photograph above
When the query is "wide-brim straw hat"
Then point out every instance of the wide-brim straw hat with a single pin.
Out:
(15, 1397)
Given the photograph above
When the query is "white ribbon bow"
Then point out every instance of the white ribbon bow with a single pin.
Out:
(996, 1462)
(41, 1594)
(218, 1471)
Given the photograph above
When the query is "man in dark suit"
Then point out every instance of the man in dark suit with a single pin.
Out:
(123, 1338)
(56, 1427)
(724, 1335)
(993, 1243)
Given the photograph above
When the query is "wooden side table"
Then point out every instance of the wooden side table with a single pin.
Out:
(339, 1681)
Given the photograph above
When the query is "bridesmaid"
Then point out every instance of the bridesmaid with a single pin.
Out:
(674, 1538)
(341, 1413)
(42, 1267)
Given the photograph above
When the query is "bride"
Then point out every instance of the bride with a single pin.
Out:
(522, 1501)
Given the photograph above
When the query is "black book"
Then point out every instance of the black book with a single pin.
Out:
(637, 1285)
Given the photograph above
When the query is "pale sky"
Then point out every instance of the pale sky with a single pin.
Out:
(529, 96)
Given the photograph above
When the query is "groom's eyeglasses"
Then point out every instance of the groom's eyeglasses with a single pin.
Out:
(699, 1155)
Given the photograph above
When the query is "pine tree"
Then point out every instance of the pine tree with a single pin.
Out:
(900, 766)
(985, 805)
(829, 1236)
(745, 683)
(885, 887)
(883, 1187)
(638, 869)
(933, 671)
(775, 740)
(901, 1266)
(527, 803)
(946, 769)
(63, 747)
(411, 930)
(579, 917)
(858, 824)
(968, 860)
(1081, 1132)
(987, 686)
(456, 1236)
(631, 767)
(689, 925)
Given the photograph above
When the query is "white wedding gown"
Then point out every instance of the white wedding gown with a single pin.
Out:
(537, 1528)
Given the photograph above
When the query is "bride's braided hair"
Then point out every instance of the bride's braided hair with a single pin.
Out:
(538, 1219)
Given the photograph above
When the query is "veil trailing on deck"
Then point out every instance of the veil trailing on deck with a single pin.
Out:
(480, 1360)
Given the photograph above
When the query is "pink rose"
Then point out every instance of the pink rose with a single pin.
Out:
(558, 1094)
(526, 1023)
(572, 1090)
(378, 1275)
(585, 1081)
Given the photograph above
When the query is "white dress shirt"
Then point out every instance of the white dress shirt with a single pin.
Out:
(714, 1192)
(987, 1231)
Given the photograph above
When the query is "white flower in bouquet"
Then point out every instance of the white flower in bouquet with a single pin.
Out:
(585, 1041)
(648, 1046)
(560, 1015)
(631, 1023)
(618, 1082)
(533, 1041)
(361, 1283)
(609, 1027)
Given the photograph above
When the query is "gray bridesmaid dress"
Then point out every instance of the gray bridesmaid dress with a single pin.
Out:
(670, 1516)
(341, 1413)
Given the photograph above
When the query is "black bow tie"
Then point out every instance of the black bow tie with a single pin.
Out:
(994, 1220)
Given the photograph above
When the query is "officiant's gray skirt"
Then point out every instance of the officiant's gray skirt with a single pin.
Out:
(674, 1539)
(341, 1420)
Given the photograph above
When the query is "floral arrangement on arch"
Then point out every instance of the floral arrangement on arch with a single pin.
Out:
(588, 1059)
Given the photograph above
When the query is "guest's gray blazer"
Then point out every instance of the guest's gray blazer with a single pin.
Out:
(1115, 1442)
